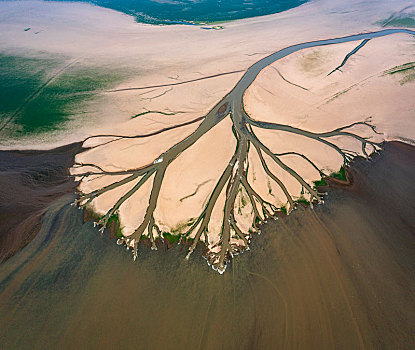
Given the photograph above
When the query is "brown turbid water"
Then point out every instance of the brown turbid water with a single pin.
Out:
(29, 182)
(339, 276)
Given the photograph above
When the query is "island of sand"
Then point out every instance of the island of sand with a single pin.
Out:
(208, 134)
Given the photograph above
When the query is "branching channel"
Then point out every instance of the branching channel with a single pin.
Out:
(233, 183)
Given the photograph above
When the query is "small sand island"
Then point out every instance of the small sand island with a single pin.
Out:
(206, 135)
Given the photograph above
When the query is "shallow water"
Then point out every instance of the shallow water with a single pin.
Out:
(339, 276)
(187, 11)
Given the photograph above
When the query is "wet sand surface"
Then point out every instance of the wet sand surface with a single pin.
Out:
(339, 276)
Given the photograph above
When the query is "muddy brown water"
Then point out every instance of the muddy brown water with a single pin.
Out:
(29, 182)
(339, 276)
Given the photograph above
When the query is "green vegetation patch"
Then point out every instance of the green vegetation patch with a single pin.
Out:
(303, 201)
(181, 227)
(406, 71)
(171, 238)
(320, 183)
(340, 175)
(404, 21)
(38, 94)
(269, 187)
(242, 198)
(311, 61)
(338, 94)
(115, 224)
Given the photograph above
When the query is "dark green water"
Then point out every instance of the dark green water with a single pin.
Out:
(190, 11)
